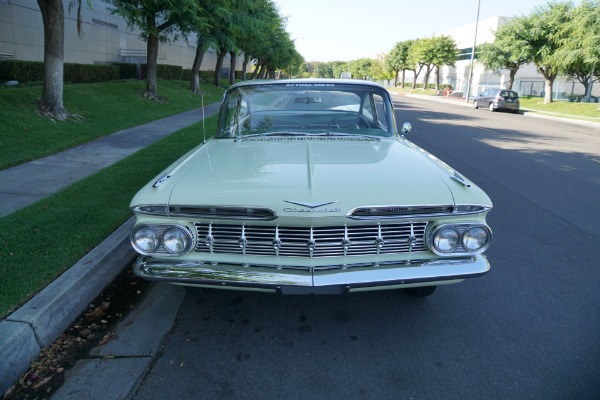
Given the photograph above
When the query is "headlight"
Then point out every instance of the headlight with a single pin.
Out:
(446, 240)
(476, 238)
(145, 240)
(176, 240)
(461, 238)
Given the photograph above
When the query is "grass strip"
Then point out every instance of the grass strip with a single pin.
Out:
(104, 108)
(43, 240)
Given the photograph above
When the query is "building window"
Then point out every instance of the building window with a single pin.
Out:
(105, 24)
(465, 54)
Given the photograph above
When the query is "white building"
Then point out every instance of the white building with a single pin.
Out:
(106, 38)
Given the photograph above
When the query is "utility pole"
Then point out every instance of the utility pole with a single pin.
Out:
(473, 55)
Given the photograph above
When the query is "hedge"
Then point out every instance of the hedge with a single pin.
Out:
(32, 71)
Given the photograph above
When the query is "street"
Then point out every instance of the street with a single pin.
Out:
(529, 329)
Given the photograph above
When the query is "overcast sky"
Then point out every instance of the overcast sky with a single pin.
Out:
(328, 30)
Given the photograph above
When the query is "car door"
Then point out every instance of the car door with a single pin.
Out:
(481, 101)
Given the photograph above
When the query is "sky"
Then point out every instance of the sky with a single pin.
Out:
(331, 30)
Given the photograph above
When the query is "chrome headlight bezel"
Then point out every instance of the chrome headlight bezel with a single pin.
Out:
(160, 249)
(461, 229)
(185, 236)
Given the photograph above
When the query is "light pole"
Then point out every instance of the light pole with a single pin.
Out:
(473, 54)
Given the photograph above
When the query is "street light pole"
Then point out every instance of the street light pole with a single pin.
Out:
(473, 54)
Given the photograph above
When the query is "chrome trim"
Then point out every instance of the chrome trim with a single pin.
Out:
(259, 277)
(171, 211)
(313, 241)
(311, 205)
(460, 228)
(414, 211)
(460, 179)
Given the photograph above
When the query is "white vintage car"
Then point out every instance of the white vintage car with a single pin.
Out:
(307, 188)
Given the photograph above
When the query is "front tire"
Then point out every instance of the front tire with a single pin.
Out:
(475, 106)
(421, 291)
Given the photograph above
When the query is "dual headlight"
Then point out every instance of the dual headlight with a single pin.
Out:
(160, 239)
(460, 238)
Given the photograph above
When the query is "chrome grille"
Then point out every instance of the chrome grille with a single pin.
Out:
(330, 241)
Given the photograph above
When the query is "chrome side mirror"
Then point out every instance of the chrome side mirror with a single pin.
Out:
(406, 127)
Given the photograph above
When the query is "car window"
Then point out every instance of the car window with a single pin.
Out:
(306, 109)
(509, 94)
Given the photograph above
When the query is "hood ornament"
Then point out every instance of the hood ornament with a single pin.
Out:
(311, 205)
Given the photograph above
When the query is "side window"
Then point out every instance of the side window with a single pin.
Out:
(367, 108)
(235, 114)
(382, 116)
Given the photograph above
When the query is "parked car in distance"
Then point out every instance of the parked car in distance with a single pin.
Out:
(497, 99)
(308, 188)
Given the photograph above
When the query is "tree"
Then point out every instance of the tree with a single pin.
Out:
(397, 60)
(579, 55)
(53, 17)
(414, 60)
(158, 20)
(444, 54)
(361, 68)
(510, 49)
(545, 37)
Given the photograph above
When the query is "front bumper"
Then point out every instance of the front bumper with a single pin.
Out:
(302, 281)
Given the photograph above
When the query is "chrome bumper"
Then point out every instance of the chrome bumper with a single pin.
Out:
(296, 281)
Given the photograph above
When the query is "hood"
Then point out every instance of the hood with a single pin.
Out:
(290, 175)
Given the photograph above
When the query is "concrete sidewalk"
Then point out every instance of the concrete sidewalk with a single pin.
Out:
(27, 183)
(40, 321)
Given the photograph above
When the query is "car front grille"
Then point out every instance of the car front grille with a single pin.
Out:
(329, 241)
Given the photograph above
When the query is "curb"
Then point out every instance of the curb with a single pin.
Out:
(42, 319)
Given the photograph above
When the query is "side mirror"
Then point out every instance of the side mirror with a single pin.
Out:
(406, 127)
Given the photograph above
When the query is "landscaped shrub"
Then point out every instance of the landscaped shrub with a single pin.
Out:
(89, 73)
(22, 71)
(30, 71)
(165, 71)
(129, 71)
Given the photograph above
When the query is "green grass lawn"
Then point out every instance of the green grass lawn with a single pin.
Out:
(104, 108)
(43, 240)
(562, 108)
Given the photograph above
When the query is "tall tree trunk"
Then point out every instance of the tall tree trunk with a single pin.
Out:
(151, 57)
(427, 73)
(53, 16)
(218, 66)
(264, 71)
(247, 59)
(549, 76)
(437, 77)
(233, 61)
(195, 79)
(511, 76)
(403, 77)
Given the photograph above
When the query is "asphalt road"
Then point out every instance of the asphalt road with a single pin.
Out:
(529, 329)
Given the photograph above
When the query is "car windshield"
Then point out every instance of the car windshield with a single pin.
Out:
(306, 109)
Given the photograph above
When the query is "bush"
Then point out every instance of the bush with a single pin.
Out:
(165, 71)
(22, 71)
(31, 71)
(129, 71)
(89, 73)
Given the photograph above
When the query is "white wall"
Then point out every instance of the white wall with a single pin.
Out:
(106, 37)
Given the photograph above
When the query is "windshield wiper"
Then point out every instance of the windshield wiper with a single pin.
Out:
(283, 133)
(347, 134)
